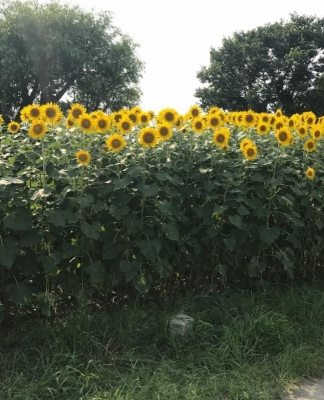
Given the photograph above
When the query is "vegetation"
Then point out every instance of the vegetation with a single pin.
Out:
(57, 53)
(278, 65)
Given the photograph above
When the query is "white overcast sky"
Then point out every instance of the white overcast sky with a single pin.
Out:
(175, 37)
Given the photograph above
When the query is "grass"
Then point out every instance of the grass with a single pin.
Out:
(243, 346)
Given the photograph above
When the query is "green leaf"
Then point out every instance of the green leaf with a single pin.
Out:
(19, 293)
(56, 218)
(171, 232)
(230, 243)
(253, 267)
(86, 200)
(257, 177)
(9, 249)
(50, 265)
(165, 207)
(122, 183)
(41, 193)
(269, 235)
(163, 176)
(243, 210)
(148, 190)
(70, 250)
(31, 239)
(297, 221)
(131, 269)
(235, 220)
(96, 271)
(21, 220)
(110, 251)
(91, 231)
(151, 249)
(143, 283)
(220, 209)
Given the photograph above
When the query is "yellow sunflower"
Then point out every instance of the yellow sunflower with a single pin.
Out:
(221, 137)
(136, 110)
(214, 121)
(37, 129)
(13, 127)
(250, 152)
(1, 119)
(76, 111)
(214, 110)
(246, 142)
(23, 114)
(148, 137)
(134, 117)
(198, 125)
(279, 123)
(69, 123)
(152, 114)
(249, 118)
(179, 122)
(168, 116)
(310, 145)
(310, 173)
(144, 118)
(263, 128)
(193, 112)
(33, 112)
(278, 113)
(317, 132)
(302, 130)
(115, 143)
(164, 131)
(116, 117)
(265, 118)
(51, 113)
(309, 118)
(102, 123)
(83, 157)
(85, 122)
(125, 125)
(284, 137)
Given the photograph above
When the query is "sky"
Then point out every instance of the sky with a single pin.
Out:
(175, 37)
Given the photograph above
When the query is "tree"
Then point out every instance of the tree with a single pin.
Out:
(53, 52)
(278, 65)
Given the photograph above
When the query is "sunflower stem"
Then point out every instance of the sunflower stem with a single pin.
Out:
(44, 164)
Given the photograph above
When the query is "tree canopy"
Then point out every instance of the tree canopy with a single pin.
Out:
(53, 52)
(278, 65)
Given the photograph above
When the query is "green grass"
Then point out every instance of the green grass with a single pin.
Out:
(242, 347)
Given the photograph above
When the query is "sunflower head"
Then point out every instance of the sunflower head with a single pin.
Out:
(69, 123)
(168, 116)
(24, 114)
(302, 131)
(148, 137)
(125, 125)
(33, 112)
(198, 124)
(51, 113)
(1, 119)
(164, 131)
(278, 113)
(85, 123)
(264, 118)
(246, 142)
(250, 152)
(221, 137)
(76, 111)
(13, 127)
(134, 117)
(102, 123)
(115, 143)
(83, 157)
(317, 132)
(310, 145)
(144, 118)
(310, 173)
(193, 112)
(284, 137)
(214, 121)
(309, 118)
(263, 128)
(214, 110)
(249, 118)
(136, 110)
(37, 129)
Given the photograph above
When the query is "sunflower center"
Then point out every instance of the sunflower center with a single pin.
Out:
(102, 124)
(310, 145)
(220, 138)
(309, 173)
(169, 116)
(144, 118)
(214, 121)
(69, 122)
(76, 113)
(302, 131)
(38, 129)
(309, 121)
(198, 125)
(265, 119)
(291, 123)
(34, 112)
(164, 131)
(14, 127)
(148, 137)
(249, 118)
(132, 117)
(50, 112)
(250, 152)
(83, 157)
(118, 117)
(279, 125)
(283, 136)
(125, 125)
(86, 124)
(195, 112)
(317, 133)
(116, 143)
(263, 128)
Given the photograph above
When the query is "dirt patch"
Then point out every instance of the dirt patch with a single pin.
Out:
(312, 389)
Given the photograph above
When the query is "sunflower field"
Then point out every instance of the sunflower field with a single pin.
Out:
(131, 201)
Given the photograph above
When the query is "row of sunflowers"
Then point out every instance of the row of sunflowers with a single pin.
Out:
(153, 129)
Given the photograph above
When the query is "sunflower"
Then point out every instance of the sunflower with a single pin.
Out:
(164, 131)
(292, 123)
(51, 113)
(83, 157)
(264, 118)
(168, 116)
(221, 137)
(193, 112)
(69, 123)
(310, 173)
(310, 145)
(1, 119)
(263, 128)
(76, 111)
(302, 131)
(278, 113)
(317, 132)
(148, 137)
(37, 129)
(115, 143)
(116, 117)
(144, 118)
(246, 142)
(13, 127)
(214, 121)
(179, 122)
(279, 123)
(134, 117)
(85, 122)
(198, 125)
(136, 110)
(33, 112)
(284, 137)
(102, 123)
(250, 152)
(23, 114)
(309, 118)
(152, 113)
(249, 118)
(125, 125)
(213, 110)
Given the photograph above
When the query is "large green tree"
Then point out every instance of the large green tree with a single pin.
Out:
(58, 53)
(277, 65)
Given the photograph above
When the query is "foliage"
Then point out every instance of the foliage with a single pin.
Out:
(277, 65)
(243, 347)
(53, 52)
(78, 216)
